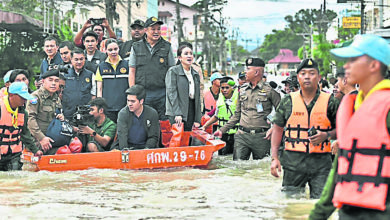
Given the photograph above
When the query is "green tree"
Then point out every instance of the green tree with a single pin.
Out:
(279, 39)
(304, 19)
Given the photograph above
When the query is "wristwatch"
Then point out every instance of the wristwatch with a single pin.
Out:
(93, 134)
(328, 137)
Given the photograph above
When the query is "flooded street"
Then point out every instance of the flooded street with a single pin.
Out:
(227, 190)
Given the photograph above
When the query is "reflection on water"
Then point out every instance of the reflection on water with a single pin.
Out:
(229, 190)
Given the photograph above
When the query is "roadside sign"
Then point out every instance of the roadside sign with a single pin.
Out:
(351, 22)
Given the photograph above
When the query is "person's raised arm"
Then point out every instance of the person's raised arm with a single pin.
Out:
(106, 25)
(78, 39)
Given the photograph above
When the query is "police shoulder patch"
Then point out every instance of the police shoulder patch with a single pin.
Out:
(34, 101)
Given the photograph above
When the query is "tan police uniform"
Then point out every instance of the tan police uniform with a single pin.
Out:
(41, 112)
(253, 107)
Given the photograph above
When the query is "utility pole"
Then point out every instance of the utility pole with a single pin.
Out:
(128, 18)
(195, 22)
(362, 16)
(206, 42)
(246, 40)
(179, 23)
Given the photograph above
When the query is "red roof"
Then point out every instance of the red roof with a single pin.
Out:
(285, 56)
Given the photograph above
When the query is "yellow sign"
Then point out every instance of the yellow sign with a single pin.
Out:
(352, 22)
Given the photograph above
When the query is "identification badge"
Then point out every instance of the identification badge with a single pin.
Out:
(259, 107)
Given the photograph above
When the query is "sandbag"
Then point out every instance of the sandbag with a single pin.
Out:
(63, 150)
(177, 135)
(75, 146)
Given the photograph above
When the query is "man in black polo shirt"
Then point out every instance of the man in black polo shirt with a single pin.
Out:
(138, 124)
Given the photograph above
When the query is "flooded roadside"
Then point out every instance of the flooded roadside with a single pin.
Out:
(229, 190)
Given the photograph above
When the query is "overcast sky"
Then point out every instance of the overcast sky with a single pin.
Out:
(256, 18)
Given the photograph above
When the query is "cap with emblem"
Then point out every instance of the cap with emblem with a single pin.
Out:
(255, 62)
(308, 63)
(137, 22)
(241, 75)
(21, 89)
(52, 72)
(152, 21)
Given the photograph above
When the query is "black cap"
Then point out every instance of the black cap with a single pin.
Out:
(152, 21)
(52, 72)
(255, 62)
(241, 75)
(137, 23)
(308, 63)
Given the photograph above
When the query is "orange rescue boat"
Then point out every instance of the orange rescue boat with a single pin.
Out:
(185, 156)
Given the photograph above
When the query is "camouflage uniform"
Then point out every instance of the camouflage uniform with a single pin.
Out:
(41, 112)
(253, 106)
(300, 168)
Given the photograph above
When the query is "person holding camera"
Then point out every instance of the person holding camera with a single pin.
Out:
(225, 108)
(42, 110)
(53, 57)
(102, 131)
(99, 25)
(78, 84)
(308, 118)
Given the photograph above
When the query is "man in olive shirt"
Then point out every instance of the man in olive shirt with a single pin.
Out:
(307, 166)
(254, 103)
(42, 110)
(102, 131)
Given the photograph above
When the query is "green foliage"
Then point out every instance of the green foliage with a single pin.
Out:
(345, 34)
(279, 39)
(322, 54)
(21, 50)
(65, 33)
(306, 18)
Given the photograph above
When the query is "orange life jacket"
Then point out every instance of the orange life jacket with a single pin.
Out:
(10, 136)
(209, 101)
(299, 122)
(364, 156)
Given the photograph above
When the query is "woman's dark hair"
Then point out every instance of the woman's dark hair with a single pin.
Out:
(16, 72)
(182, 45)
(100, 103)
(109, 41)
(138, 91)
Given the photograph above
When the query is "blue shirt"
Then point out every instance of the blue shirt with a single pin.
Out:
(137, 133)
